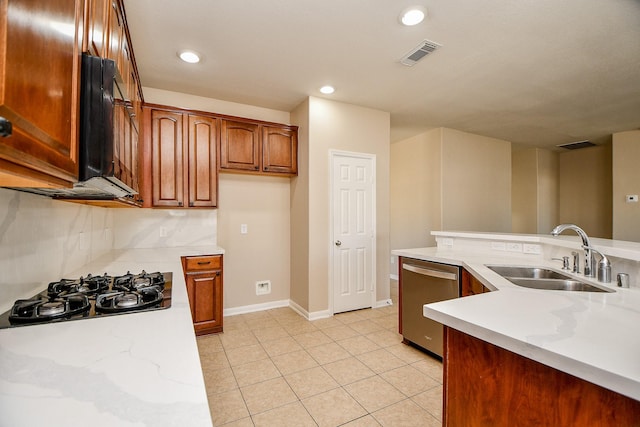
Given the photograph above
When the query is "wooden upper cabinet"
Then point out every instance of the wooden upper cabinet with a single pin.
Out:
(96, 24)
(184, 159)
(115, 31)
(39, 91)
(240, 146)
(256, 147)
(280, 149)
(167, 159)
(203, 161)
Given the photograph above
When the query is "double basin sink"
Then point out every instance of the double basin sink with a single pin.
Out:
(543, 278)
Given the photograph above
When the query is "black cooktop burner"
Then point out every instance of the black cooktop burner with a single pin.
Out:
(92, 296)
(89, 285)
(46, 309)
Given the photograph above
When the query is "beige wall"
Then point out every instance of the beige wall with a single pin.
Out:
(337, 126)
(263, 253)
(626, 181)
(476, 182)
(445, 179)
(193, 102)
(524, 190)
(547, 190)
(263, 203)
(415, 187)
(585, 189)
(534, 192)
(300, 212)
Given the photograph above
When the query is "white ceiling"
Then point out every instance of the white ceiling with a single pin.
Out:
(536, 72)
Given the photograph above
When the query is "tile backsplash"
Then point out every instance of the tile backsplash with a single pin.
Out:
(42, 239)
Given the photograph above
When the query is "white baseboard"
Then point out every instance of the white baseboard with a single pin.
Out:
(393, 276)
(301, 311)
(255, 307)
(384, 303)
(309, 316)
(234, 311)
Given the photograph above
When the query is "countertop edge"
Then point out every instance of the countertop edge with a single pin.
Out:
(451, 313)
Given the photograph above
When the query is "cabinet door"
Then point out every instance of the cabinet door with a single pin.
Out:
(167, 159)
(203, 161)
(240, 146)
(97, 16)
(205, 298)
(280, 150)
(39, 87)
(470, 285)
(115, 32)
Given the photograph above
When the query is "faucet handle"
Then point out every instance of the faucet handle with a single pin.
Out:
(565, 262)
(604, 266)
(576, 262)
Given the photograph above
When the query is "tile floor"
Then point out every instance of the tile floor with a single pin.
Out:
(275, 368)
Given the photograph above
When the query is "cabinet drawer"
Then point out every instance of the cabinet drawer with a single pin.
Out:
(206, 262)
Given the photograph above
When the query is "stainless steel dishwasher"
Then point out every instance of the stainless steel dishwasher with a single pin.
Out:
(421, 283)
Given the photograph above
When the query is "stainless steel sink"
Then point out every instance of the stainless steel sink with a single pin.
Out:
(543, 278)
(527, 272)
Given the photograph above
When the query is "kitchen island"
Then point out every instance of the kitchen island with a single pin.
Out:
(589, 336)
(134, 369)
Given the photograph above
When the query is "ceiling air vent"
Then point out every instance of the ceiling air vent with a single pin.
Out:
(417, 53)
(576, 145)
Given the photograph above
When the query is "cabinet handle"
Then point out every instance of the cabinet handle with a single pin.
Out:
(190, 204)
(180, 204)
(204, 262)
(266, 168)
(5, 127)
(256, 167)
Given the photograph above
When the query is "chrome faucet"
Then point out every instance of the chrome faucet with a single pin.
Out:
(588, 250)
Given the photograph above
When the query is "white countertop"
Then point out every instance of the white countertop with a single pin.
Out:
(591, 335)
(136, 369)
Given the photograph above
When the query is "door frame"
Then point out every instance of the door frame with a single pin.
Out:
(372, 158)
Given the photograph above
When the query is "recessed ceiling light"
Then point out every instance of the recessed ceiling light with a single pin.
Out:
(189, 56)
(413, 15)
(327, 90)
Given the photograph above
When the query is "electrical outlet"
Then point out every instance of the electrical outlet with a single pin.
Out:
(631, 198)
(514, 247)
(263, 287)
(498, 246)
(244, 229)
(531, 249)
(446, 241)
(163, 232)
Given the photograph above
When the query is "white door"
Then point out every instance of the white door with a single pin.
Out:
(353, 229)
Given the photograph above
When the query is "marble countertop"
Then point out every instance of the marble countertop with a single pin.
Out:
(592, 336)
(136, 369)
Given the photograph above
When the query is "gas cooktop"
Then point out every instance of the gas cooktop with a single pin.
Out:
(92, 296)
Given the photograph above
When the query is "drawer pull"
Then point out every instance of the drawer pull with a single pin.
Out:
(204, 262)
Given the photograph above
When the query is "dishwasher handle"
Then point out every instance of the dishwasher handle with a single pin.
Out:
(430, 273)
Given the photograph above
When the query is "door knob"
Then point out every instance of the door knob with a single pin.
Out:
(338, 243)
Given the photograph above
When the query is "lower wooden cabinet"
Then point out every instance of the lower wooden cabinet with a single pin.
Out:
(470, 285)
(203, 276)
(486, 385)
